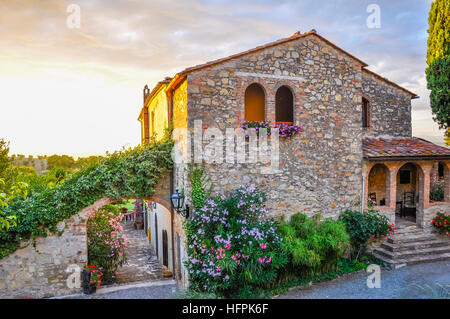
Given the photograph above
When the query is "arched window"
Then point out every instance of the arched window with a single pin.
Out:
(365, 113)
(255, 103)
(284, 105)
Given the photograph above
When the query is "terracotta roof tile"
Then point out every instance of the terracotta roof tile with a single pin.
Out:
(385, 148)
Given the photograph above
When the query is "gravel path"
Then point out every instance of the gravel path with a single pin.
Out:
(399, 283)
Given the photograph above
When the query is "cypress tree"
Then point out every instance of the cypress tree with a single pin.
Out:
(438, 60)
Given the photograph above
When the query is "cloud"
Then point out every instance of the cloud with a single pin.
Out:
(124, 45)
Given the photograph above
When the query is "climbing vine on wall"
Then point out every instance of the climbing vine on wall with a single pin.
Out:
(130, 173)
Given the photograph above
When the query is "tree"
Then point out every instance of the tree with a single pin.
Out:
(438, 60)
(60, 161)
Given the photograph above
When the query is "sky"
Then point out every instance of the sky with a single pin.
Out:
(75, 90)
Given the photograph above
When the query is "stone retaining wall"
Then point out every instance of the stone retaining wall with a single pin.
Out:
(43, 271)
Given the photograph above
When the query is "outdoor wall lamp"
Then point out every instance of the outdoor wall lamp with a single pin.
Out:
(177, 200)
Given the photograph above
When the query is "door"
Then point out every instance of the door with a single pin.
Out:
(156, 236)
(165, 248)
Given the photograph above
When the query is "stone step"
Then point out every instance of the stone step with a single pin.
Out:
(397, 263)
(410, 238)
(408, 230)
(411, 253)
(414, 245)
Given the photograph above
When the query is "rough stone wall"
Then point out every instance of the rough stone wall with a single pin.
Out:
(431, 212)
(41, 272)
(378, 182)
(390, 108)
(320, 168)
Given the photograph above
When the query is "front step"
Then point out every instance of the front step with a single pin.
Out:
(407, 238)
(413, 252)
(412, 246)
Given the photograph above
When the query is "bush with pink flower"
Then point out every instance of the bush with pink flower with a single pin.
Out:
(106, 244)
(233, 249)
(284, 129)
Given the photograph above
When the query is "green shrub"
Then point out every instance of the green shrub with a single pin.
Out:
(313, 246)
(126, 174)
(233, 251)
(362, 226)
(442, 223)
(437, 194)
(106, 247)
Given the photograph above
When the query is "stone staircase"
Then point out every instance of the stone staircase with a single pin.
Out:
(411, 245)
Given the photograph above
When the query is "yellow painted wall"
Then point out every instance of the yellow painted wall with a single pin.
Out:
(180, 106)
(157, 106)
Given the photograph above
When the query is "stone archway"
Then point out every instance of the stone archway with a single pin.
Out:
(53, 267)
(410, 191)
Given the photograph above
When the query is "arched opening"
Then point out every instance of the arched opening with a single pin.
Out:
(255, 103)
(284, 105)
(438, 188)
(378, 188)
(365, 113)
(147, 249)
(410, 193)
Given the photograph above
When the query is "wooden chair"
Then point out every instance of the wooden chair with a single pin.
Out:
(409, 204)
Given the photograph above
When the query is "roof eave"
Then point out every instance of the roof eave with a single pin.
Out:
(407, 158)
(413, 95)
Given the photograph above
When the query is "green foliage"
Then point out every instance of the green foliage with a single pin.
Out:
(438, 60)
(442, 222)
(362, 226)
(233, 251)
(438, 78)
(106, 248)
(200, 191)
(17, 190)
(5, 161)
(314, 247)
(438, 31)
(129, 173)
(84, 162)
(60, 161)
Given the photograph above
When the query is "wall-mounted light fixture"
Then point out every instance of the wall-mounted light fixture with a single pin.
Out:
(177, 200)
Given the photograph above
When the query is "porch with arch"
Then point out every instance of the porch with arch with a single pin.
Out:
(400, 182)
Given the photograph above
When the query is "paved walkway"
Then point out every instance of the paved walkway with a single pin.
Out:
(142, 265)
(400, 283)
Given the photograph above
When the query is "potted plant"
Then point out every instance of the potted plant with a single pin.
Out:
(92, 278)
(167, 273)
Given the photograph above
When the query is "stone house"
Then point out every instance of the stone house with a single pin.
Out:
(356, 142)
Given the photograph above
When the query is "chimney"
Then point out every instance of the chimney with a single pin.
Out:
(146, 92)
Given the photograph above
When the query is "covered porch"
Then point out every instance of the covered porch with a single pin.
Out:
(397, 177)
